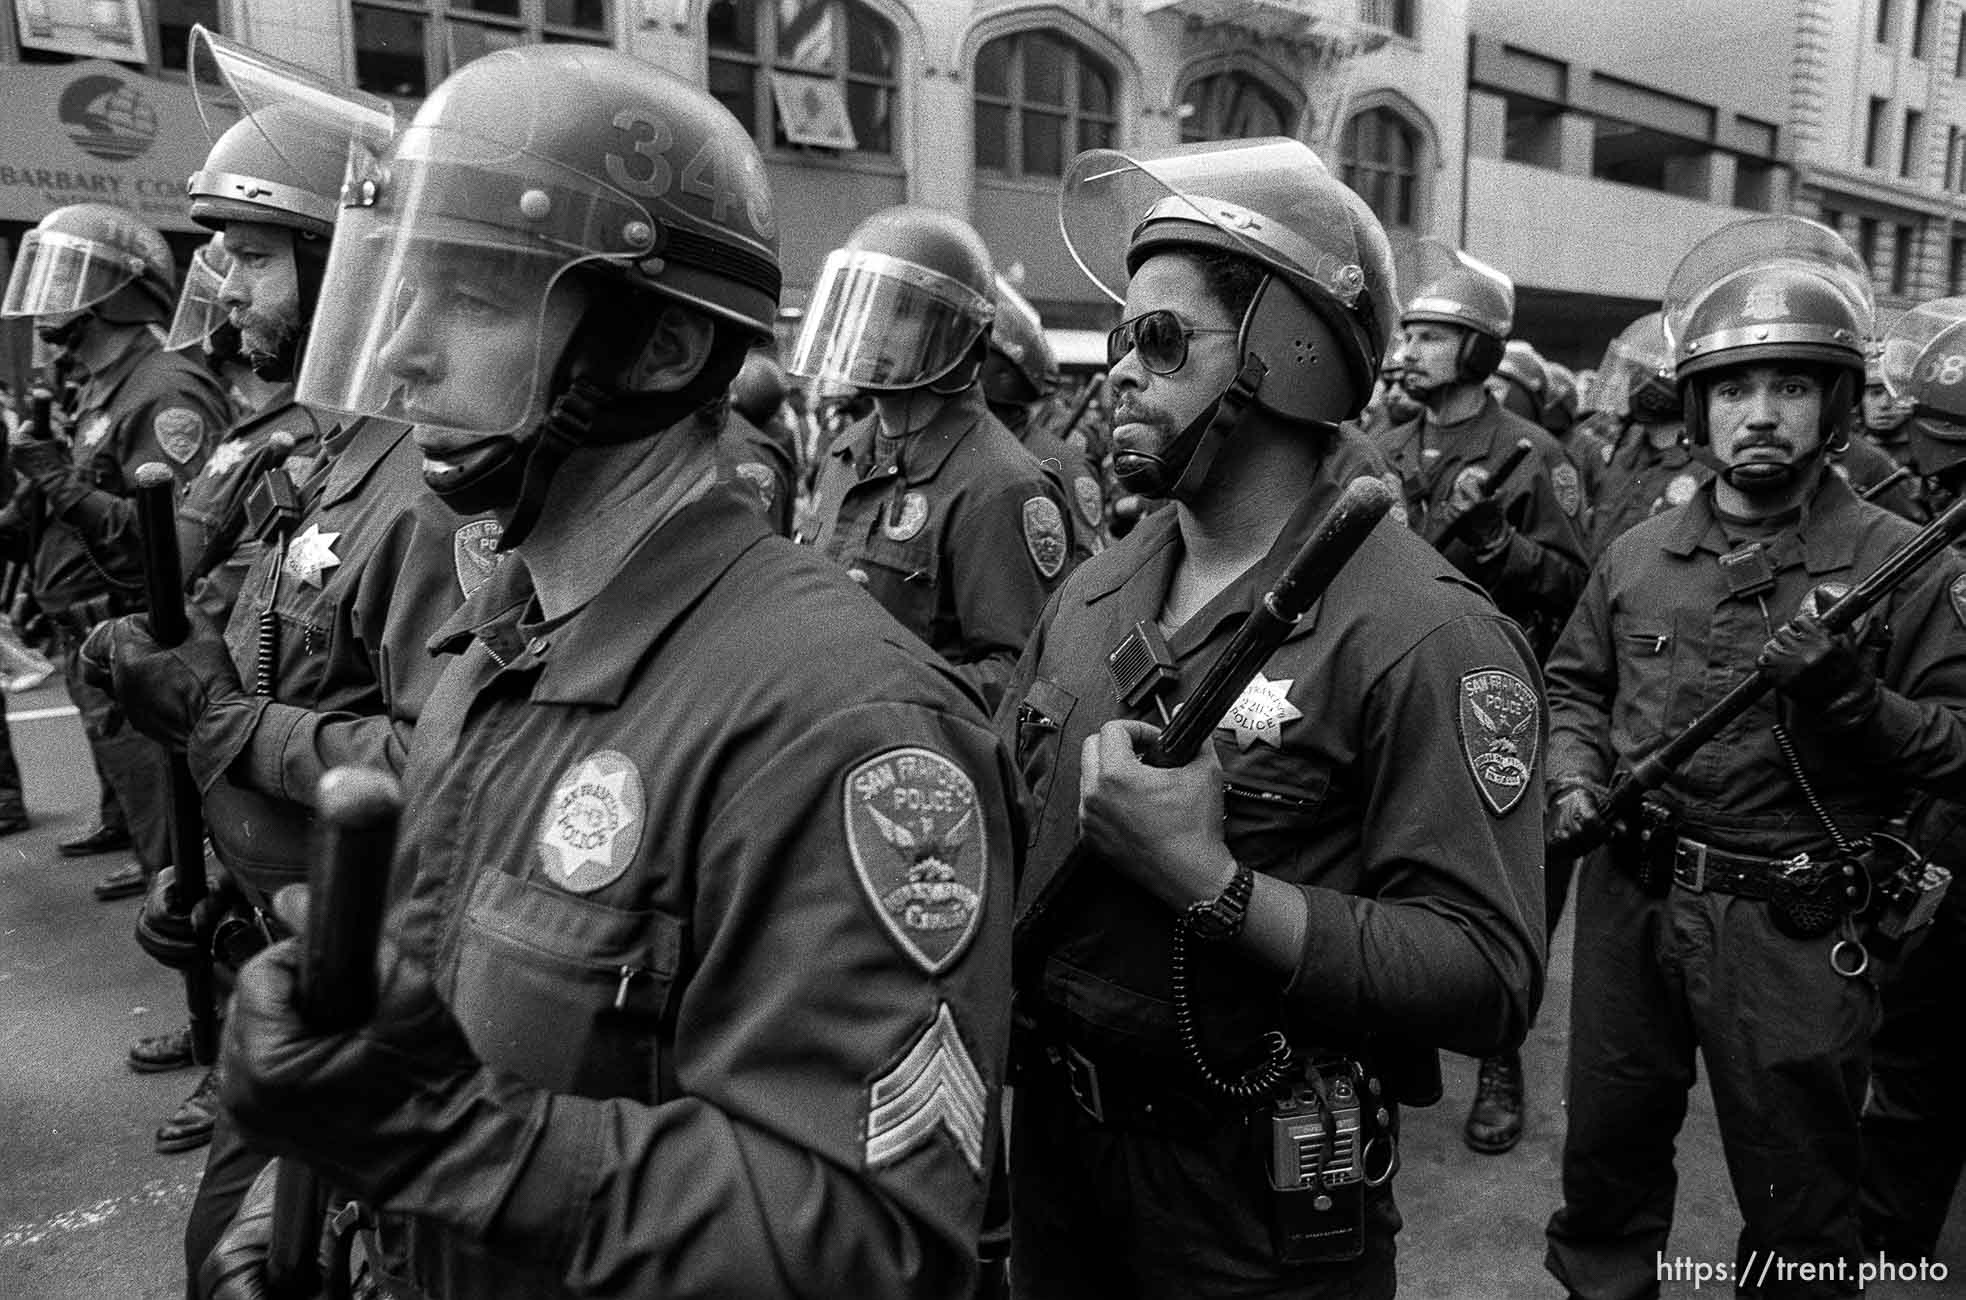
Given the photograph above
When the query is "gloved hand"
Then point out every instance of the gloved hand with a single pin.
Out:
(1571, 810)
(1476, 519)
(38, 460)
(164, 691)
(1824, 671)
(236, 1268)
(368, 1108)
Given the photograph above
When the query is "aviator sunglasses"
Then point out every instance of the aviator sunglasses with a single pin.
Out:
(1161, 338)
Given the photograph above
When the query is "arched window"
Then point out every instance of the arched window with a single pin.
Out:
(1379, 156)
(818, 73)
(1041, 97)
(1233, 105)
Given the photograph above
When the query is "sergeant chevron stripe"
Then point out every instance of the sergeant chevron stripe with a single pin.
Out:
(935, 1084)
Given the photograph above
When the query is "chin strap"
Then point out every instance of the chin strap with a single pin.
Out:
(1183, 464)
(1754, 477)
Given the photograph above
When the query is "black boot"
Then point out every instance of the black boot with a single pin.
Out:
(1495, 1120)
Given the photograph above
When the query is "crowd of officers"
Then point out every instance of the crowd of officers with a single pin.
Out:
(761, 738)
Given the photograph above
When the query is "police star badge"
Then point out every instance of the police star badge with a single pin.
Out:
(311, 555)
(593, 823)
(1681, 489)
(1044, 535)
(1499, 736)
(226, 458)
(94, 429)
(760, 478)
(921, 856)
(180, 432)
(935, 1085)
(1956, 593)
(1260, 712)
(475, 555)
(907, 518)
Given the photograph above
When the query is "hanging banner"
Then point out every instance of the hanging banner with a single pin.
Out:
(96, 133)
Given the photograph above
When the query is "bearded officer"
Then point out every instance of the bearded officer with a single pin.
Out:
(1358, 829)
(930, 503)
(323, 661)
(1019, 375)
(1719, 932)
(98, 283)
(706, 863)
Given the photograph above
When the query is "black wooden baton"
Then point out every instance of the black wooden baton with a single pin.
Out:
(1628, 791)
(156, 498)
(1310, 572)
(346, 888)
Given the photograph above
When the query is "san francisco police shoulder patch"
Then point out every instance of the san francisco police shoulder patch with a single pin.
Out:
(1569, 490)
(1044, 535)
(1091, 501)
(593, 823)
(475, 555)
(180, 432)
(935, 1085)
(916, 838)
(1957, 594)
(1498, 721)
(760, 477)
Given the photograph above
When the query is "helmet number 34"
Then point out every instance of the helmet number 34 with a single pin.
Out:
(705, 176)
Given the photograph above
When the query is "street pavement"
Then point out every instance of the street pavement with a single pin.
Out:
(89, 1212)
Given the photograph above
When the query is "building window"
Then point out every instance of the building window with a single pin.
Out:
(806, 73)
(175, 19)
(1901, 255)
(1908, 147)
(1404, 18)
(1921, 14)
(1379, 157)
(1956, 265)
(1867, 243)
(1959, 52)
(1654, 160)
(1041, 98)
(1754, 184)
(1532, 132)
(1833, 219)
(1874, 131)
(1233, 106)
(1884, 17)
(405, 47)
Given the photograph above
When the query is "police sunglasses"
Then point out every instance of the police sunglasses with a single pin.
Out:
(1161, 338)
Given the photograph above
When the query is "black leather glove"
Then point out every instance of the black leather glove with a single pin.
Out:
(40, 461)
(1823, 671)
(164, 691)
(1474, 518)
(368, 1108)
(236, 1268)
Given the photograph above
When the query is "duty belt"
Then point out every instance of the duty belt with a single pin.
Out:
(1135, 1096)
(78, 619)
(1702, 868)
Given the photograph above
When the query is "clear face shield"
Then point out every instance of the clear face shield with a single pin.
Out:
(439, 306)
(880, 323)
(305, 120)
(1756, 245)
(200, 308)
(1252, 191)
(1468, 288)
(56, 274)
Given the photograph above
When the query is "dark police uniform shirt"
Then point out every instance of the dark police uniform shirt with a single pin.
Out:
(147, 405)
(961, 540)
(719, 866)
(764, 465)
(1078, 485)
(374, 566)
(1387, 763)
(1658, 637)
(215, 501)
(1536, 577)
(1641, 481)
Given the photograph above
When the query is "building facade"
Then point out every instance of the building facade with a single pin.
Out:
(856, 104)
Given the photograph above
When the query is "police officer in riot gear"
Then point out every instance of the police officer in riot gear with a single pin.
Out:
(930, 503)
(1522, 543)
(1719, 925)
(1652, 466)
(1018, 375)
(99, 284)
(1914, 1130)
(705, 864)
(1258, 294)
(757, 441)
